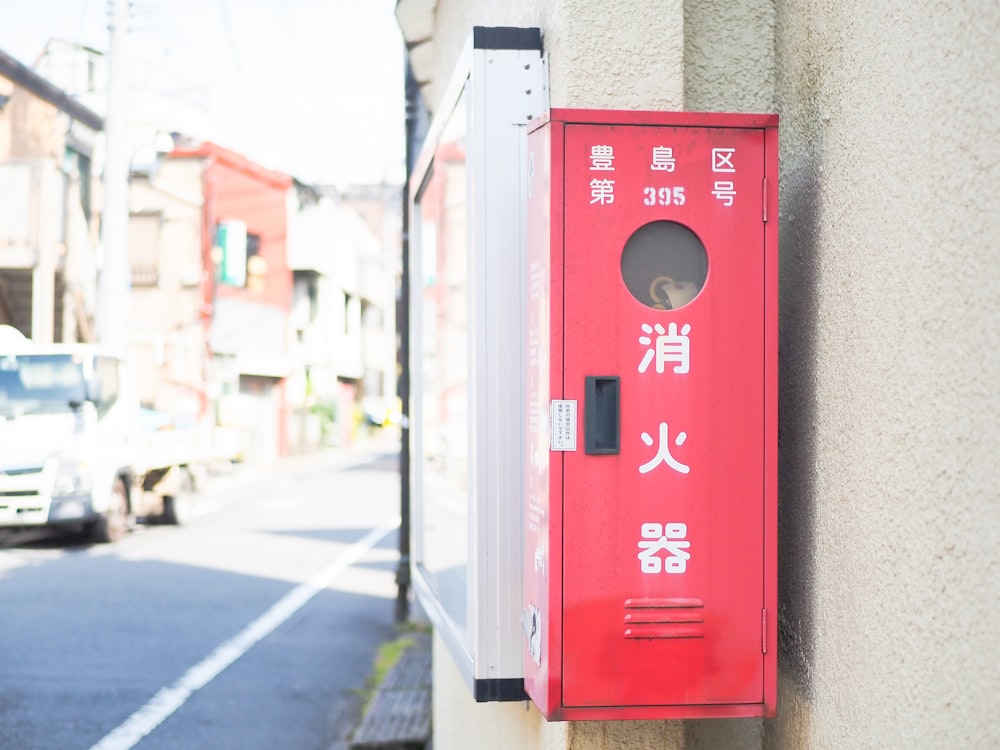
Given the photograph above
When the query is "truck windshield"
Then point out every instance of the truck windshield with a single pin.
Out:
(40, 383)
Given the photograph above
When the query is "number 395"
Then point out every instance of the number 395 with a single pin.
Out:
(663, 196)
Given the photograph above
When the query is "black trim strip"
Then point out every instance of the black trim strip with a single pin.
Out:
(506, 37)
(500, 689)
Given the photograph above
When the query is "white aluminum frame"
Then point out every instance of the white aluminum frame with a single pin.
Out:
(505, 90)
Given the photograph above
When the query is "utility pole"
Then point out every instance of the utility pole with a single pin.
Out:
(403, 578)
(115, 279)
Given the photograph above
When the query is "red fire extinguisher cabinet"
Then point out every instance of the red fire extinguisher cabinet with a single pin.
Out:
(650, 583)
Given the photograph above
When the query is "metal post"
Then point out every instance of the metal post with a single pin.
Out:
(403, 330)
(115, 279)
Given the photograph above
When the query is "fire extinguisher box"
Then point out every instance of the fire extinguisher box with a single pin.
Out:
(650, 573)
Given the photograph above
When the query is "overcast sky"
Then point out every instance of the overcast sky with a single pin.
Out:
(311, 87)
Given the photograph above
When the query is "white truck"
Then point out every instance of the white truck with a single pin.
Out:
(73, 450)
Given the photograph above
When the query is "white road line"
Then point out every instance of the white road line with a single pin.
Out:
(128, 734)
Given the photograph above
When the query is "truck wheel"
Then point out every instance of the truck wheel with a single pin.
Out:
(114, 525)
(178, 509)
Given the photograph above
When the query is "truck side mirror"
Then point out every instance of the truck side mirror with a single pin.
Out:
(86, 415)
(93, 391)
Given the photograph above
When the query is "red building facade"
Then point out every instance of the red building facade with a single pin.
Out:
(246, 292)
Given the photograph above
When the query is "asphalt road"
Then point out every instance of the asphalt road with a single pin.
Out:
(253, 626)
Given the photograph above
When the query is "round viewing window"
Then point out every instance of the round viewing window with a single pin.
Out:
(664, 265)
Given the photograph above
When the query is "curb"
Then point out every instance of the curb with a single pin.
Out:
(399, 717)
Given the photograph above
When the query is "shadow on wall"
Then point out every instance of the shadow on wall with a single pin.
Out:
(796, 423)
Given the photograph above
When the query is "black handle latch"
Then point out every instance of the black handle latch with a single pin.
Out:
(602, 418)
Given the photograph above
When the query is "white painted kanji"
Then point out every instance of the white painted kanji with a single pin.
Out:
(602, 158)
(725, 191)
(602, 191)
(722, 160)
(669, 346)
(663, 159)
(670, 538)
(663, 455)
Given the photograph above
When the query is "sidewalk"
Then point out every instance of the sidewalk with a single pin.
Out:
(365, 449)
(398, 716)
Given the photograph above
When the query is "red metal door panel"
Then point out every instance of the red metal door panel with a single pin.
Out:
(663, 541)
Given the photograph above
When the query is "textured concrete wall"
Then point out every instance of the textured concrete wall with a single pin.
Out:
(890, 326)
(460, 722)
(890, 347)
(729, 56)
(613, 54)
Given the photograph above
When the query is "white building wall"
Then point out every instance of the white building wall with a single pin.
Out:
(165, 332)
(890, 333)
(350, 339)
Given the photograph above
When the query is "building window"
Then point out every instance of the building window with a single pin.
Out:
(256, 270)
(372, 317)
(253, 246)
(240, 261)
(83, 164)
(144, 248)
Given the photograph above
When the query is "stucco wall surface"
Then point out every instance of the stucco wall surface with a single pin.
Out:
(615, 54)
(460, 722)
(889, 348)
(728, 63)
(890, 328)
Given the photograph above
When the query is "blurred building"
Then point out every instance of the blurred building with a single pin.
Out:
(49, 183)
(256, 302)
(343, 250)
(259, 300)
(212, 289)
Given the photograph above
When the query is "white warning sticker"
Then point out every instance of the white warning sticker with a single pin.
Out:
(562, 416)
